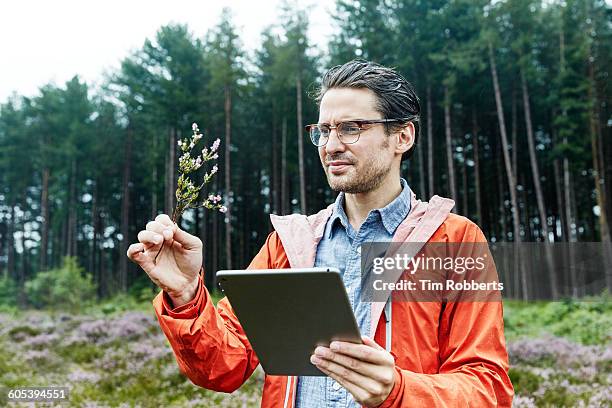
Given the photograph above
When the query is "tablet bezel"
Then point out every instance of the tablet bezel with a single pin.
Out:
(270, 321)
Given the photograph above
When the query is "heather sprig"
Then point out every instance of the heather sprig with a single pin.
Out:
(187, 192)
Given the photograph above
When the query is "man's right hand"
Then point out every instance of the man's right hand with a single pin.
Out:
(178, 264)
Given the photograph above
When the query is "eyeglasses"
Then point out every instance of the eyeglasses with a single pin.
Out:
(348, 132)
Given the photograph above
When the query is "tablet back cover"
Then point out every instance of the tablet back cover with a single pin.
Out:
(287, 313)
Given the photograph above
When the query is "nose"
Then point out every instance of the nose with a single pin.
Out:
(333, 143)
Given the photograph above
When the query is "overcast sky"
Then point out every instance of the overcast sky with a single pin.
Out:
(52, 40)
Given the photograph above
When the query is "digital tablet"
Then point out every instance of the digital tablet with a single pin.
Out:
(287, 313)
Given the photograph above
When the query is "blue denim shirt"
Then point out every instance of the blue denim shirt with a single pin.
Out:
(340, 247)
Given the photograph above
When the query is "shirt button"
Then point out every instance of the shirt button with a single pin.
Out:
(336, 386)
(358, 249)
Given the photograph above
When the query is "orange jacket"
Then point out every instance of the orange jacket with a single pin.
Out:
(447, 354)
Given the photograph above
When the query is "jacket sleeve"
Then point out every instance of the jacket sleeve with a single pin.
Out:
(209, 343)
(473, 358)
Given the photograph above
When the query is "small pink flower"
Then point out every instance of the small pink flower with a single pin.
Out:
(215, 145)
(194, 127)
(215, 156)
(223, 209)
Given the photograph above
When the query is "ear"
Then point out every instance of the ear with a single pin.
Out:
(405, 138)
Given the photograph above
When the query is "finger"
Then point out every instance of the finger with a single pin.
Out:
(164, 219)
(367, 369)
(187, 240)
(164, 225)
(156, 226)
(357, 392)
(150, 238)
(370, 342)
(133, 249)
(361, 352)
(360, 386)
(136, 254)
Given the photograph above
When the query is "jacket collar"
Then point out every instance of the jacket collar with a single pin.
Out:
(300, 235)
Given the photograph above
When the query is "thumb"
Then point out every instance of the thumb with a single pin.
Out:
(370, 342)
(187, 240)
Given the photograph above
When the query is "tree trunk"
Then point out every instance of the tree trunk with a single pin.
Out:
(422, 185)
(516, 228)
(535, 171)
(94, 242)
(300, 134)
(21, 298)
(465, 209)
(475, 147)
(44, 208)
(514, 138)
(228, 178)
(170, 187)
(275, 184)
(284, 185)
(597, 175)
(3, 238)
(430, 159)
(125, 212)
(559, 195)
(10, 243)
(71, 239)
(103, 290)
(215, 243)
(449, 145)
(154, 183)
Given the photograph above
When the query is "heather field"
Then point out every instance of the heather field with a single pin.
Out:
(116, 355)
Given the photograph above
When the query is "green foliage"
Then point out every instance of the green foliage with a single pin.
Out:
(81, 353)
(587, 321)
(67, 287)
(524, 381)
(8, 292)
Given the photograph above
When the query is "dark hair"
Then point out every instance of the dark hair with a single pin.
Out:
(395, 96)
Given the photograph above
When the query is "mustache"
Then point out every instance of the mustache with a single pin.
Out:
(338, 158)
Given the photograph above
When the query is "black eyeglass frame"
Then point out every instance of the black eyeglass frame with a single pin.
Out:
(359, 123)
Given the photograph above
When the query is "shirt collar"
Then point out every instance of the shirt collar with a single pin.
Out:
(392, 214)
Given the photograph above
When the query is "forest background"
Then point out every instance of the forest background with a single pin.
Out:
(515, 127)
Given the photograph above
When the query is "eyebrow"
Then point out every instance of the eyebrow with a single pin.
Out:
(343, 120)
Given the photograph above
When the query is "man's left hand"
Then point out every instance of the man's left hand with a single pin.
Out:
(366, 370)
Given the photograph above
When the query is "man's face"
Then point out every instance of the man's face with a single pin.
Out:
(362, 166)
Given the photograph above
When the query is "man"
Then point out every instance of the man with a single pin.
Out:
(421, 354)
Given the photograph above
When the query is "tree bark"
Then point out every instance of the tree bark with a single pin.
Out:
(275, 183)
(284, 185)
(154, 183)
(535, 171)
(600, 198)
(125, 212)
(300, 134)
(423, 187)
(430, 159)
(170, 186)
(514, 138)
(44, 209)
(94, 242)
(476, 153)
(449, 145)
(10, 247)
(71, 238)
(228, 178)
(516, 228)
